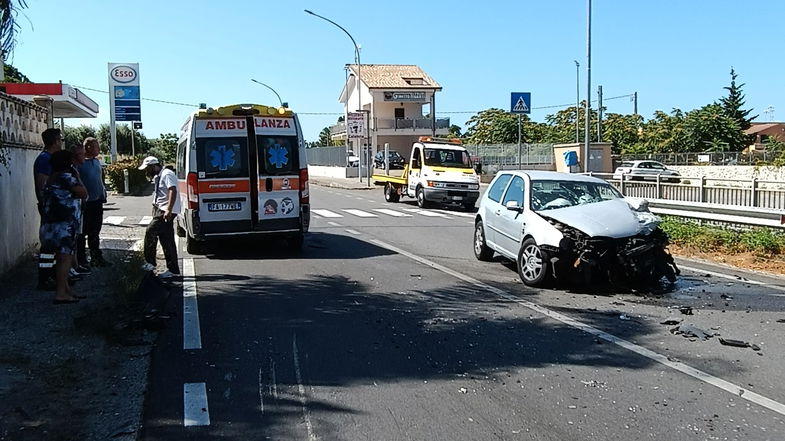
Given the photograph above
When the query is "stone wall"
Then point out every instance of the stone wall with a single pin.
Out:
(22, 124)
(768, 176)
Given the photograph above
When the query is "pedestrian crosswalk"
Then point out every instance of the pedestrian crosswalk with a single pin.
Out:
(381, 212)
(128, 220)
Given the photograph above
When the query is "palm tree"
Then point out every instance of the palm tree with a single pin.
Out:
(8, 28)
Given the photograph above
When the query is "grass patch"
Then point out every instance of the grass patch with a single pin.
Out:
(764, 242)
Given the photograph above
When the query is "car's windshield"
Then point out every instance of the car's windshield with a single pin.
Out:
(447, 158)
(547, 195)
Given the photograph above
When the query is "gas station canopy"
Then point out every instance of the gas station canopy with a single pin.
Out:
(69, 102)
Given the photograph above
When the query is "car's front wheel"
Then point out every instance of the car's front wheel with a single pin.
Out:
(481, 249)
(421, 201)
(532, 265)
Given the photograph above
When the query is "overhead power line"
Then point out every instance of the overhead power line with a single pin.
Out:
(458, 112)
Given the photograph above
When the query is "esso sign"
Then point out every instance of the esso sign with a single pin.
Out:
(123, 74)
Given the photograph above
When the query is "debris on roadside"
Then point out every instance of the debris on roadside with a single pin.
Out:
(726, 297)
(739, 344)
(691, 332)
(686, 310)
(781, 321)
(670, 322)
(595, 383)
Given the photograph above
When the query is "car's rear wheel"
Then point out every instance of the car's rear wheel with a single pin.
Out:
(533, 268)
(391, 193)
(481, 249)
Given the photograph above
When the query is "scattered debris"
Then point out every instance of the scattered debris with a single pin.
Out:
(670, 322)
(686, 310)
(781, 321)
(739, 344)
(690, 331)
(594, 383)
(725, 296)
(623, 317)
(463, 390)
(617, 303)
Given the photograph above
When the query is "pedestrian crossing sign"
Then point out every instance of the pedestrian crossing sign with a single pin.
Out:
(521, 102)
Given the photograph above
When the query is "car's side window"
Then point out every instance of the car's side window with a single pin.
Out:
(515, 191)
(497, 189)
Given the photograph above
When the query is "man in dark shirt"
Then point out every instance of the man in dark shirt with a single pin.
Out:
(93, 208)
(53, 141)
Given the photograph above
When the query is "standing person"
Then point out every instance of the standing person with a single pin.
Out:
(166, 205)
(93, 208)
(53, 141)
(79, 265)
(58, 227)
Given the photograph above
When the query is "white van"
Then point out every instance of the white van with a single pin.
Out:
(242, 171)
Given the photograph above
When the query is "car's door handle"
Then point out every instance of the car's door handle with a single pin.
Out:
(498, 212)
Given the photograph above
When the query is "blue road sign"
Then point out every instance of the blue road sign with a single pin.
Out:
(521, 102)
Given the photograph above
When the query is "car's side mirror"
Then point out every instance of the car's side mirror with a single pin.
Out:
(513, 206)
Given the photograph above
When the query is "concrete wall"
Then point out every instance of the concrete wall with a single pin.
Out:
(332, 172)
(19, 220)
(740, 172)
(22, 124)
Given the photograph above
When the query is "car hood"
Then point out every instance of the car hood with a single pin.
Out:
(614, 218)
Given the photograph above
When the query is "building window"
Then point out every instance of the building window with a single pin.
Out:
(414, 81)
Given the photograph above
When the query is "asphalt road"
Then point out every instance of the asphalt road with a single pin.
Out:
(385, 327)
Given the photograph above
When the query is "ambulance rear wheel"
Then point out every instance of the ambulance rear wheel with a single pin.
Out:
(193, 246)
(296, 242)
(391, 193)
(180, 230)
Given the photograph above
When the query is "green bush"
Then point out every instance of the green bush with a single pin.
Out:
(713, 238)
(137, 180)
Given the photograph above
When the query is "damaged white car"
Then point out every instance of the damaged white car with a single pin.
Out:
(565, 226)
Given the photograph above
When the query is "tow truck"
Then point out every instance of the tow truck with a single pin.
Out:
(439, 171)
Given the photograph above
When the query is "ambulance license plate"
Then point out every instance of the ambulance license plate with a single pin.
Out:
(224, 206)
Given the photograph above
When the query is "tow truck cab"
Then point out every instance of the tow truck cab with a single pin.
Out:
(441, 171)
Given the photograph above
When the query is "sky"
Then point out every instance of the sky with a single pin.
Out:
(673, 53)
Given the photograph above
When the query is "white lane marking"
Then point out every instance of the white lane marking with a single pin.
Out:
(426, 213)
(146, 220)
(326, 213)
(138, 245)
(681, 367)
(195, 410)
(359, 213)
(301, 389)
(389, 212)
(274, 385)
(261, 393)
(114, 220)
(356, 233)
(735, 279)
(456, 213)
(334, 224)
(192, 337)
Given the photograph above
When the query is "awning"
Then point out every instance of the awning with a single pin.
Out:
(69, 102)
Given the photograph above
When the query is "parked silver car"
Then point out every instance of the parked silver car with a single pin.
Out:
(645, 170)
(566, 226)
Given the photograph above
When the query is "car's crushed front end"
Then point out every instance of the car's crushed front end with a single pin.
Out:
(617, 241)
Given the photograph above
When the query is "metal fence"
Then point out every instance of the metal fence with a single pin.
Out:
(695, 158)
(335, 156)
(501, 156)
(743, 193)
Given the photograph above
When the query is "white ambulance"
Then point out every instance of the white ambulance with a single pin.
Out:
(242, 171)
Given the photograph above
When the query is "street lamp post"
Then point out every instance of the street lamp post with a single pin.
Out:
(577, 99)
(587, 137)
(359, 77)
(276, 93)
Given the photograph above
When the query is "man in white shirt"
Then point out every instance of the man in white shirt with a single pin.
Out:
(166, 206)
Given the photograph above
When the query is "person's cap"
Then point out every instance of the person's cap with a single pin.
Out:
(150, 160)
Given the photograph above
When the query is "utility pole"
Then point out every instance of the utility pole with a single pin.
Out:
(577, 100)
(599, 113)
(635, 103)
(587, 125)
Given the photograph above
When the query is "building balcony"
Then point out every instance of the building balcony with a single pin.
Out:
(398, 126)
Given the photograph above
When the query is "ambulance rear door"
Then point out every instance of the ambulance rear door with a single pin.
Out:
(278, 187)
(226, 175)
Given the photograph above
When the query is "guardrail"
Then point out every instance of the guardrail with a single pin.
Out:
(744, 202)
(719, 213)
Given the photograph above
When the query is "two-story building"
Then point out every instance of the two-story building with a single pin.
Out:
(400, 102)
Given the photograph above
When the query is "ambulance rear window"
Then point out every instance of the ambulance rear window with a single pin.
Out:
(278, 155)
(222, 157)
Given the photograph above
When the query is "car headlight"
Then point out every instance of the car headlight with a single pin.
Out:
(435, 184)
(474, 186)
